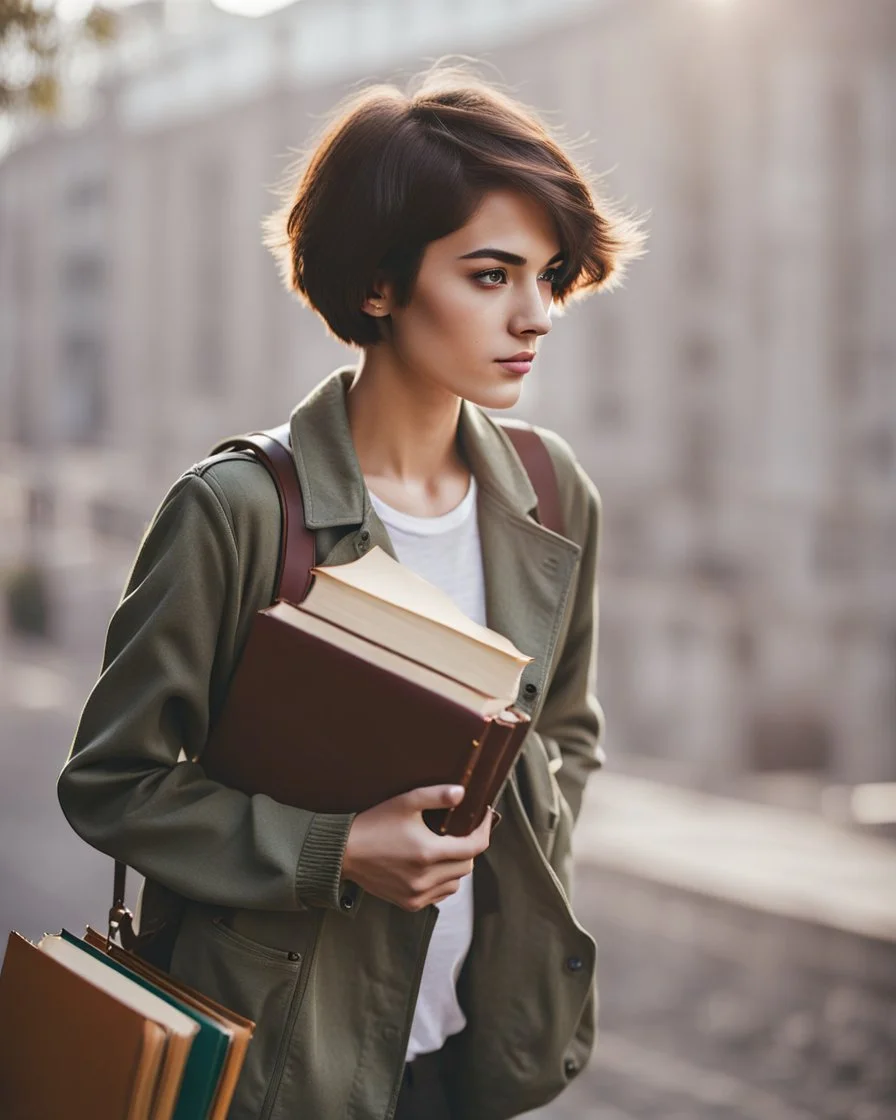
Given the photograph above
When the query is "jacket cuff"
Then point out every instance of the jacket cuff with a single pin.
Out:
(319, 879)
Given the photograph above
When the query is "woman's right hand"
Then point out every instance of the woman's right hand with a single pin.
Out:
(392, 853)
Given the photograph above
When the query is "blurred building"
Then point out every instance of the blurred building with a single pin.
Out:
(735, 402)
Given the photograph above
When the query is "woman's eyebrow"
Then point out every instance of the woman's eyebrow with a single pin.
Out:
(505, 257)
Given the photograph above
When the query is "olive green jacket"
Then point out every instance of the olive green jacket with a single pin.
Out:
(270, 927)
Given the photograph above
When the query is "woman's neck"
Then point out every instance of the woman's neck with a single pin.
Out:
(404, 429)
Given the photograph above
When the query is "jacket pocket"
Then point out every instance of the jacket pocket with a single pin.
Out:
(252, 979)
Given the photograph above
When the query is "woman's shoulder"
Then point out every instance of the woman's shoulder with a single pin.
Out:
(220, 517)
(244, 488)
(226, 495)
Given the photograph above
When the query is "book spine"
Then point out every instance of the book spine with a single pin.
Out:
(438, 819)
(508, 758)
(492, 774)
(464, 818)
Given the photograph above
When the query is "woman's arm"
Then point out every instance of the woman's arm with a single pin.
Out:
(171, 647)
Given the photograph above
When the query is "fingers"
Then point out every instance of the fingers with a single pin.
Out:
(446, 797)
(443, 873)
(436, 893)
(483, 832)
(434, 882)
(443, 892)
(432, 797)
(464, 847)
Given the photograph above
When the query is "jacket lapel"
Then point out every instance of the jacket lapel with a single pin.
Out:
(528, 574)
(528, 569)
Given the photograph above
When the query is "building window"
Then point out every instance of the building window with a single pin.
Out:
(82, 389)
(84, 194)
(82, 273)
(699, 357)
(608, 394)
(837, 547)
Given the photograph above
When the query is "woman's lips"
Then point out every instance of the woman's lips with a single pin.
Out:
(516, 367)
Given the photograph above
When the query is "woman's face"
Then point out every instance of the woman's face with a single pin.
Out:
(483, 294)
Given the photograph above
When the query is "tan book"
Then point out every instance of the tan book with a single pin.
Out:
(69, 1047)
(385, 602)
(179, 1028)
(238, 1028)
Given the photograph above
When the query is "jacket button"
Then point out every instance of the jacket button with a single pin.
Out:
(574, 964)
(294, 956)
(347, 902)
(530, 689)
(570, 1067)
(365, 536)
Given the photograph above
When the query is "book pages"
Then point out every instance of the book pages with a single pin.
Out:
(378, 575)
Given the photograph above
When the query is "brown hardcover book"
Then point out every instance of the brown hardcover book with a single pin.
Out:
(179, 1028)
(328, 721)
(239, 1028)
(69, 1048)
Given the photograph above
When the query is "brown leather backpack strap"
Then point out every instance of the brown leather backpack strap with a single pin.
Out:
(296, 540)
(121, 920)
(540, 469)
(272, 448)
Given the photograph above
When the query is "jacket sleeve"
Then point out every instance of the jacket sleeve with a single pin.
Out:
(171, 647)
(571, 721)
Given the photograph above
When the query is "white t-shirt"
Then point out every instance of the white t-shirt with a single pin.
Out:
(446, 551)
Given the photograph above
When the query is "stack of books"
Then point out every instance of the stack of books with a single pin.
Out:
(88, 1032)
(375, 684)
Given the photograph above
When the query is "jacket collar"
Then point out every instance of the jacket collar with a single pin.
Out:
(330, 475)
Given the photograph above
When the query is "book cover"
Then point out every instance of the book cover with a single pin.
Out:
(179, 1028)
(207, 1053)
(104, 1056)
(240, 1029)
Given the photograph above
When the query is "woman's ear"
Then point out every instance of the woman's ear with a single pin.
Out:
(378, 301)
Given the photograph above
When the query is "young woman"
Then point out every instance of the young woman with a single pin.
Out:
(434, 232)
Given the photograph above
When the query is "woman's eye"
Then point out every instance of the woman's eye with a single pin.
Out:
(492, 272)
(499, 276)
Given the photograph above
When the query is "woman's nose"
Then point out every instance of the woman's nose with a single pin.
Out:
(533, 316)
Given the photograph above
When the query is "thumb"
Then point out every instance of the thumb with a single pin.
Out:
(434, 797)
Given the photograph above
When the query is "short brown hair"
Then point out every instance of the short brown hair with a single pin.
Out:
(393, 172)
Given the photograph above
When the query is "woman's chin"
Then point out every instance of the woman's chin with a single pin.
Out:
(503, 395)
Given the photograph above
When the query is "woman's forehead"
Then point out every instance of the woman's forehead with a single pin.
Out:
(510, 221)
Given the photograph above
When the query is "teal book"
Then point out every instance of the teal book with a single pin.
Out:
(207, 1054)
